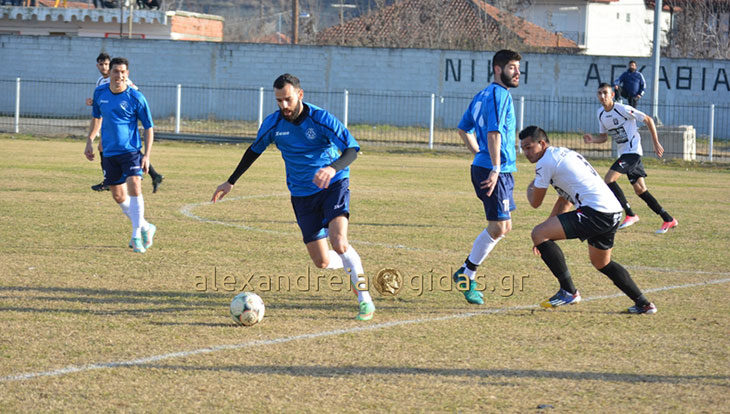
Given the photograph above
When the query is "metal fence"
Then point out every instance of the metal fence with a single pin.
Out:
(374, 117)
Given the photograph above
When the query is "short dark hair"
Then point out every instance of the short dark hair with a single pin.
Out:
(119, 61)
(282, 80)
(504, 56)
(604, 85)
(534, 133)
(632, 61)
(103, 56)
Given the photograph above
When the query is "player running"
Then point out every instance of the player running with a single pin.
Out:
(121, 108)
(596, 218)
(619, 121)
(317, 150)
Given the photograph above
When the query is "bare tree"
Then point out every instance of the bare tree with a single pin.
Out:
(700, 29)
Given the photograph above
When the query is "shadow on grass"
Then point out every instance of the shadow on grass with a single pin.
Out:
(336, 371)
(162, 302)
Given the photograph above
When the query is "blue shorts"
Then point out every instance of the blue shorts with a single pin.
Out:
(118, 168)
(501, 202)
(314, 212)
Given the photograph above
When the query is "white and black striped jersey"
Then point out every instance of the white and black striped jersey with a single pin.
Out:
(620, 123)
(575, 180)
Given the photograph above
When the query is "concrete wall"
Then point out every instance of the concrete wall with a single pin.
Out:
(687, 87)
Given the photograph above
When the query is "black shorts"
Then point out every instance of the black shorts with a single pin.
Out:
(586, 223)
(631, 165)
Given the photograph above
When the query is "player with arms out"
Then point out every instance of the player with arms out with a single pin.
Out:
(619, 121)
(102, 64)
(317, 150)
(595, 219)
(488, 130)
(121, 108)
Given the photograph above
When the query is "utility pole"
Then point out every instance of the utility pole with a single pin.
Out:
(657, 60)
(295, 22)
(342, 7)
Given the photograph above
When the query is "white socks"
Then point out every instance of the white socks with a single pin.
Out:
(125, 207)
(335, 261)
(483, 244)
(353, 266)
(136, 214)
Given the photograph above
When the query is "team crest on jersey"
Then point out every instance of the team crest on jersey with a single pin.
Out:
(310, 133)
(124, 105)
(615, 121)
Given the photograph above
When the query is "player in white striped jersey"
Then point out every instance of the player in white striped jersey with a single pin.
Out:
(595, 219)
(102, 64)
(620, 122)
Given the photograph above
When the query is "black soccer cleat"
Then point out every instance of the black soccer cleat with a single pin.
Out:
(156, 181)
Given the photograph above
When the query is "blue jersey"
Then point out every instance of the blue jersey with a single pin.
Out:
(313, 141)
(120, 113)
(492, 110)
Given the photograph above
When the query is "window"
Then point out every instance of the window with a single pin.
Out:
(618, 16)
(628, 17)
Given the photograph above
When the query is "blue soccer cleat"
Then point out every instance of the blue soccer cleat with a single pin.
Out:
(563, 297)
(148, 236)
(471, 294)
(137, 245)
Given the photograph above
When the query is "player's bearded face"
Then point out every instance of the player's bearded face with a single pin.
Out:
(289, 100)
(103, 67)
(510, 75)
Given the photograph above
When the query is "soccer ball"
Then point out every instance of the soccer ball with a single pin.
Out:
(247, 309)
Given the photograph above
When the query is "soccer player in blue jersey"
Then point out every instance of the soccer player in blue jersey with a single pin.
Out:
(102, 64)
(488, 130)
(121, 108)
(317, 150)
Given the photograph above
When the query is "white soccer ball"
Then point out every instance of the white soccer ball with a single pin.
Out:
(247, 309)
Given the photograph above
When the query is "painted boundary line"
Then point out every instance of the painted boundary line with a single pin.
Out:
(187, 210)
(182, 354)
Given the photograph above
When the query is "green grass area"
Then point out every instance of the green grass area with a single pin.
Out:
(72, 293)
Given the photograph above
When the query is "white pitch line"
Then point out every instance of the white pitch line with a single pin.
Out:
(365, 328)
(187, 210)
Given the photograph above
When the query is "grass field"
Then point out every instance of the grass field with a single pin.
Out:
(89, 326)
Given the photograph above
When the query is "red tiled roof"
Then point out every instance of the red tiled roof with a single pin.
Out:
(530, 33)
(453, 24)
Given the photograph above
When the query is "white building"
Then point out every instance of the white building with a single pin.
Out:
(601, 27)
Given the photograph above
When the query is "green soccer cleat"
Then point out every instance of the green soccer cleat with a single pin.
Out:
(367, 310)
(137, 245)
(148, 236)
(471, 294)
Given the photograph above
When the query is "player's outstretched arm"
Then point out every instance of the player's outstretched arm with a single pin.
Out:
(248, 158)
(591, 139)
(654, 136)
(221, 191)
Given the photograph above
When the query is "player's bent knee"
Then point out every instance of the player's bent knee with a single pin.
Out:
(322, 264)
(538, 237)
(339, 247)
